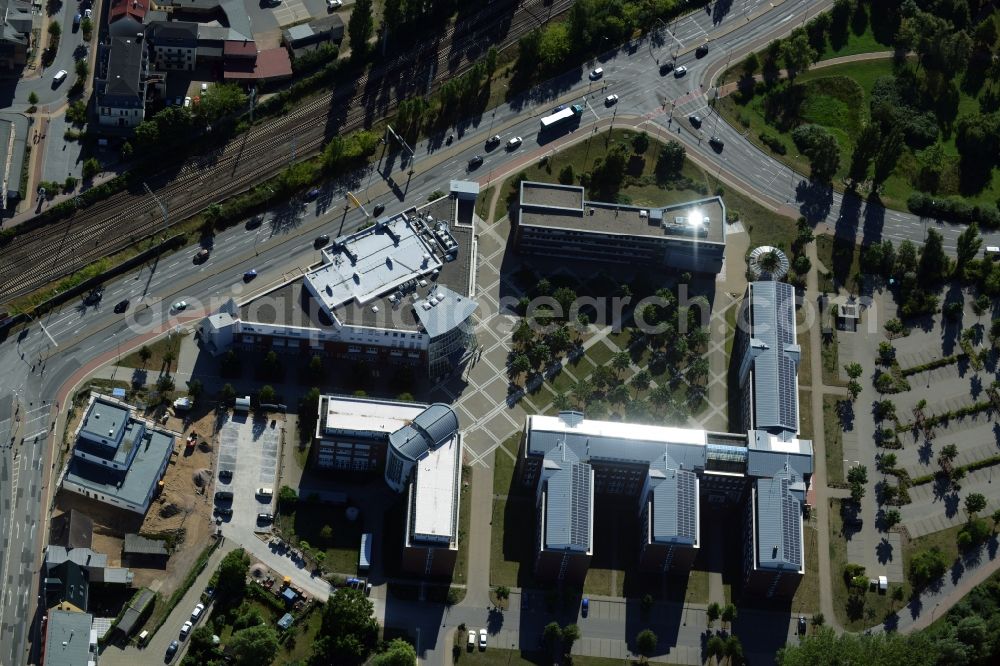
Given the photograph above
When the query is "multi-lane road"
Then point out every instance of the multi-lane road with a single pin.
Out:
(42, 362)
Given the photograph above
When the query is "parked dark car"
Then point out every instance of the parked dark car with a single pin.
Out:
(122, 306)
(378, 209)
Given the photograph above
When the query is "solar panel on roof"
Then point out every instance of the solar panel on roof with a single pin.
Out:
(580, 503)
(791, 546)
(686, 505)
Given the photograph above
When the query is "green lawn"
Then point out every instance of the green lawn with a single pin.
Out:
(806, 599)
(841, 258)
(298, 646)
(461, 571)
(510, 548)
(483, 202)
(599, 353)
(307, 523)
(834, 443)
(157, 351)
(503, 465)
(836, 97)
(582, 156)
(831, 362)
(697, 587)
(805, 414)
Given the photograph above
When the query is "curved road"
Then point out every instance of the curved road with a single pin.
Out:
(42, 365)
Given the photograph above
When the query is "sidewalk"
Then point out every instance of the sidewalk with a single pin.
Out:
(157, 645)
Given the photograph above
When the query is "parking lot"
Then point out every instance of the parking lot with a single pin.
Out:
(248, 449)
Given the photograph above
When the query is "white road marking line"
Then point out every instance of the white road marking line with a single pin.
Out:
(37, 434)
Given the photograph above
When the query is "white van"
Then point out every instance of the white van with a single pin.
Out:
(266, 493)
(60, 76)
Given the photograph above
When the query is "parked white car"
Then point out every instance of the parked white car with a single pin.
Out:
(334, 4)
(597, 73)
(185, 630)
(196, 613)
(482, 639)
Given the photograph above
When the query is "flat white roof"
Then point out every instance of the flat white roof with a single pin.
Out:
(372, 262)
(369, 415)
(435, 492)
(621, 430)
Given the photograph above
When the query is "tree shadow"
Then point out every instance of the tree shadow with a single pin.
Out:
(951, 504)
(884, 551)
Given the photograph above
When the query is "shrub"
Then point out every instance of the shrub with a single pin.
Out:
(774, 143)
(953, 210)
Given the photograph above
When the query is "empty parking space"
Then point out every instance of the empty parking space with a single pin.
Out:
(248, 450)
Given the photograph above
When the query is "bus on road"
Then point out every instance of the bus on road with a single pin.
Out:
(560, 117)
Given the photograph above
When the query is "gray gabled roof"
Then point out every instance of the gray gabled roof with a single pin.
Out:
(674, 506)
(567, 501)
(136, 544)
(772, 332)
(767, 454)
(447, 312)
(124, 75)
(432, 426)
(778, 522)
(617, 441)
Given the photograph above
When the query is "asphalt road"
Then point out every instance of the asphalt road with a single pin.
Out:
(38, 365)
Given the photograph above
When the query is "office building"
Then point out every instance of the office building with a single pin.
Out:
(118, 458)
(398, 292)
(572, 462)
(557, 221)
(418, 449)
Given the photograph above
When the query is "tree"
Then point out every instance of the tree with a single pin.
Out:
(670, 161)
(91, 167)
(712, 613)
(398, 653)
(751, 64)
(566, 175)
(715, 648)
(254, 646)
(552, 634)
(570, 635)
(734, 649)
(857, 477)
(645, 643)
(219, 101)
(729, 613)
(348, 632)
(227, 394)
(554, 46)
(82, 68)
(641, 381)
(974, 503)
(32, 98)
(520, 365)
(981, 305)
(797, 54)
(144, 354)
(164, 383)
(621, 360)
(967, 246)
(853, 389)
(820, 147)
(927, 566)
(287, 497)
(934, 264)
(55, 30)
(887, 462)
(949, 452)
(890, 519)
(232, 577)
(360, 27)
(640, 143)
(267, 395)
(195, 388)
(854, 370)
(272, 366)
(87, 28)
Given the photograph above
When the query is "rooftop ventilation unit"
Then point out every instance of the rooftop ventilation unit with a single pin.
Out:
(425, 305)
(375, 309)
(422, 283)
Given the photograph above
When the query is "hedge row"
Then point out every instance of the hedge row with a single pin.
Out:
(953, 210)
(971, 467)
(937, 419)
(933, 365)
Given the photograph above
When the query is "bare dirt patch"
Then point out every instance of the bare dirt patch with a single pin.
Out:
(181, 513)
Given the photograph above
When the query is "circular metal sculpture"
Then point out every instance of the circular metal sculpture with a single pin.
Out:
(767, 263)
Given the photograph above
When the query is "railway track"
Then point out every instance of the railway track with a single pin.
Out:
(49, 253)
